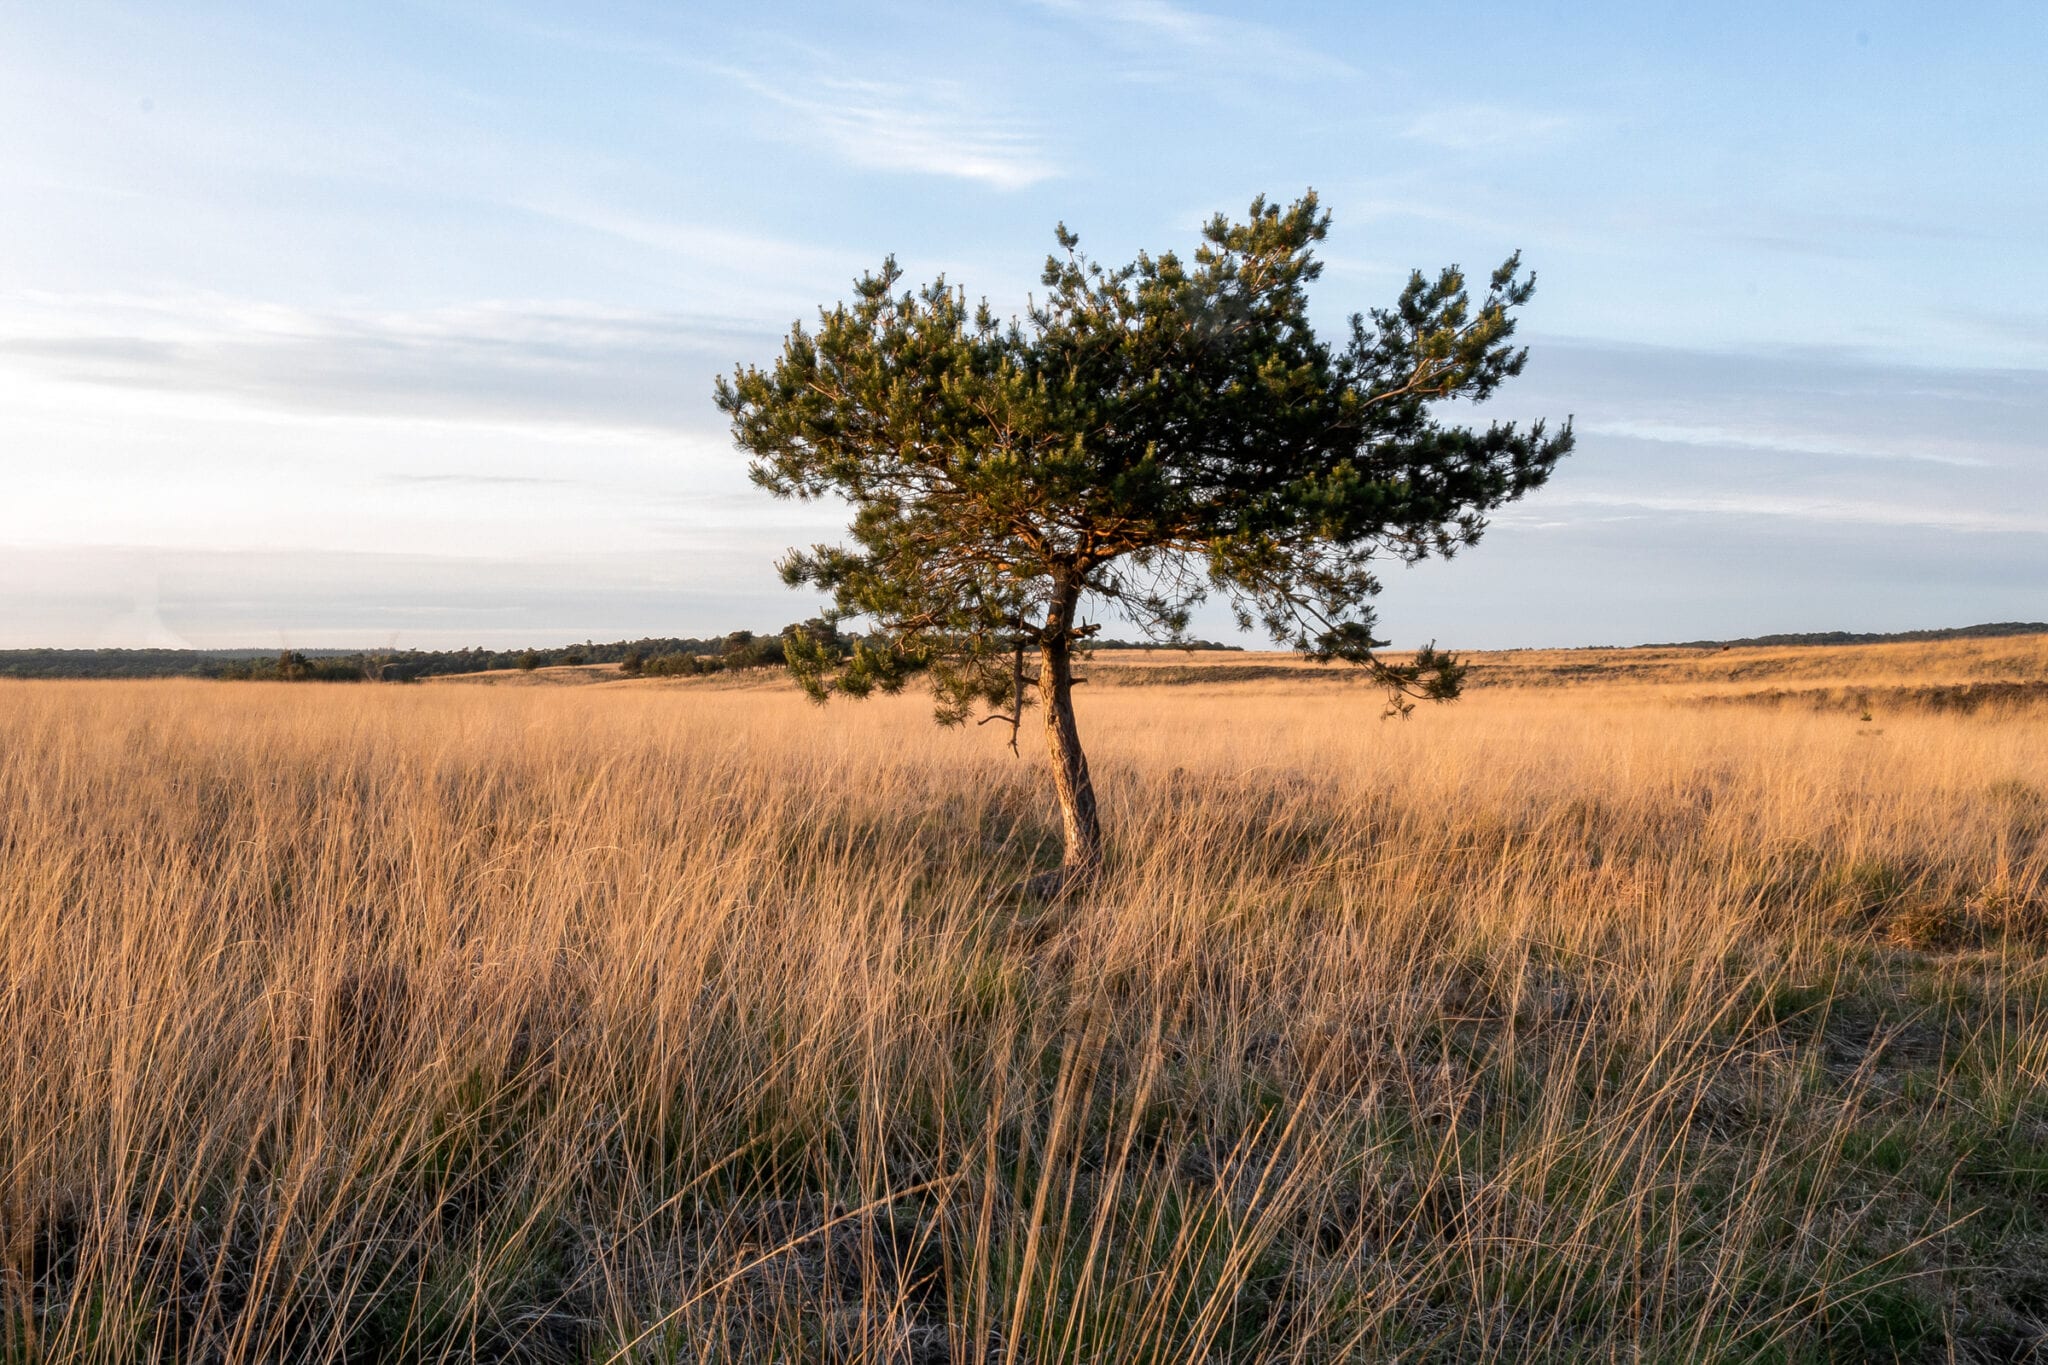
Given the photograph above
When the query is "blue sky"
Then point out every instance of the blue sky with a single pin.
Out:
(373, 324)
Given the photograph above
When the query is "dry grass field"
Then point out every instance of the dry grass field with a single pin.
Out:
(684, 1021)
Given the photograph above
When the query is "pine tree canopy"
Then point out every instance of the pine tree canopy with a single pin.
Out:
(1144, 437)
(1141, 439)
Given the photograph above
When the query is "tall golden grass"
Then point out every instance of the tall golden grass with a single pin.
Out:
(683, 1022)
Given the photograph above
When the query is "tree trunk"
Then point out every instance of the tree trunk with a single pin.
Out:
(1082, 857)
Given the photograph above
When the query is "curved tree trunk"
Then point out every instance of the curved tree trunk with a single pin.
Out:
(1082, 826)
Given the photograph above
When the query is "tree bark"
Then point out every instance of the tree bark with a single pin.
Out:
(1081, 857)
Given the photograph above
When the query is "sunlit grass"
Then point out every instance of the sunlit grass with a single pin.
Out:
(691, 1022)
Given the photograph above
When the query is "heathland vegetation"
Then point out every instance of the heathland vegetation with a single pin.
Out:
(678, 1019)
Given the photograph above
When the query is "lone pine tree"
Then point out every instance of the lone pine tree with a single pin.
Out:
(1141, 438)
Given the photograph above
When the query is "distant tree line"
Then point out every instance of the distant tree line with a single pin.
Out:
(734, 653)
(291, 665)
(681, 656)
(132, 663)
(652, 657)
(1989, 630)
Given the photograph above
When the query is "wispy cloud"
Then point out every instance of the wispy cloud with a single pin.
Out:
(130, 595)
(931, 127)
(563, 366)
(1792, 441)
(1486, 127)
(478, 480)
(1827, 404)
(1841, 234)
(1788, 445)
(1862, 512)
(1191, 34)
(927, 127)
(746, 274)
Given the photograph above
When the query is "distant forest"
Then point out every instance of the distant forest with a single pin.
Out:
(1990, 630)
(665, 656)
(672, 655)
